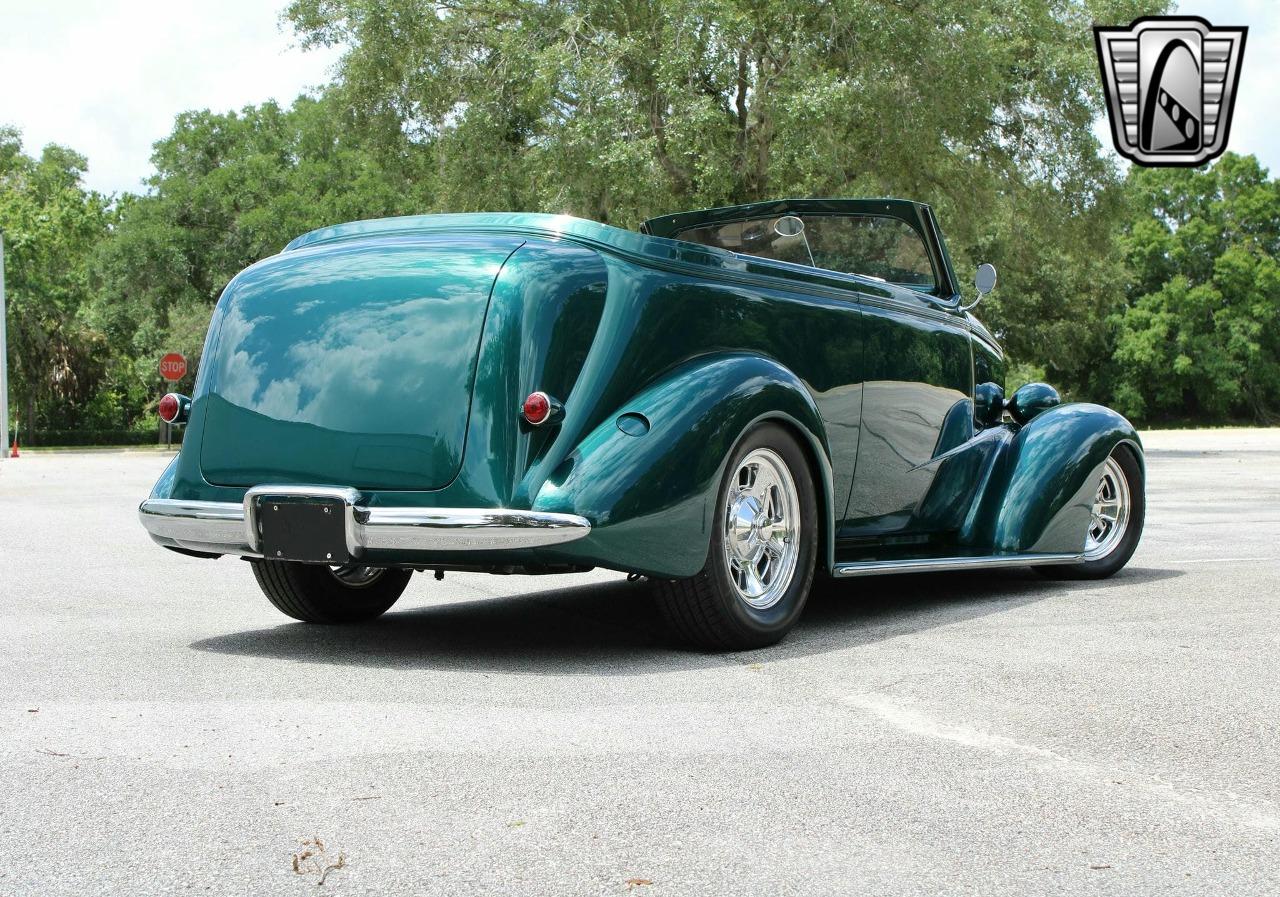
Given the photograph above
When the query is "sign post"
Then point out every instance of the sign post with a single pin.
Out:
(4, 363)
(173, 367)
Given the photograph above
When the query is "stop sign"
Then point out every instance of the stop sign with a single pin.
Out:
(173, 366)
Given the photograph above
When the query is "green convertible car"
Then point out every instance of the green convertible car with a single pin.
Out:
(728, 402)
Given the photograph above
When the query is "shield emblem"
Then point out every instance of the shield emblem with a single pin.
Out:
(1171, 86)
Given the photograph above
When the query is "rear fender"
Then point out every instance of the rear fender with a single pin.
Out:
(651, 497)
(1041, 493)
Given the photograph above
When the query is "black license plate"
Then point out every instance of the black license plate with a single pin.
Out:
(313, 531)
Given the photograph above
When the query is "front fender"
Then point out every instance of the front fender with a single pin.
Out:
(1043, 491)
(651, 497)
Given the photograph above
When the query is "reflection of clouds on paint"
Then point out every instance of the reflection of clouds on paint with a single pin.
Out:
(281, 400)
(359, 342)
(617, 473)
(900, 427)
(372, 369)
(1055, 438)
(238, 374)
(350, 265)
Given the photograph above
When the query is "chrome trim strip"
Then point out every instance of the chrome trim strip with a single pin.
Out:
(197, 525)
(936, 565)
(230, 528)
(468, 530)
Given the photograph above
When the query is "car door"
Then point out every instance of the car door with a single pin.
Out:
(918, 367)
(911, 400)
(917, 405)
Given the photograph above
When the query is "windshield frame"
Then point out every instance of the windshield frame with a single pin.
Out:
(918, 215)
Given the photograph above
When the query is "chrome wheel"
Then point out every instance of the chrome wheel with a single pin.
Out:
(357, 576)
(762, 529)
(1110, 516)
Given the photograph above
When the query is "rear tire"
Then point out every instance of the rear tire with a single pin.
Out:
(763, 547)
(1109, 543)
(314, 593)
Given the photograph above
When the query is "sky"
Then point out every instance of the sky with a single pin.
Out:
(1255, 126)
(107, 78)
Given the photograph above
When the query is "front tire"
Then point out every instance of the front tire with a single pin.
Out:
(1115, 526)
(763, 546)
(314, 593)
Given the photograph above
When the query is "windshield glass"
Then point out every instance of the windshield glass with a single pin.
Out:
(878, 246)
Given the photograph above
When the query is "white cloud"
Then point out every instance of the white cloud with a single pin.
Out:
(1255, 127)
(107, 78)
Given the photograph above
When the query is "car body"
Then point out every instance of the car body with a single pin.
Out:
(379, 369)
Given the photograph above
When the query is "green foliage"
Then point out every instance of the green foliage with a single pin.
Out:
(1157, 292)
(1022, 373)
(51, 227)
(230, 189)
(1200, 335)
(617, 110)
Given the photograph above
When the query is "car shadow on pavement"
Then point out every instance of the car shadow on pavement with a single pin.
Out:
(614, 628)
(849, 612)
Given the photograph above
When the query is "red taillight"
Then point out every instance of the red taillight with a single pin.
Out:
(536, 408)
(174, 408)
(169, 408)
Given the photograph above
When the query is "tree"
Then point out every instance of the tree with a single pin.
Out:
(1200, 336)
(230, 189)
(51, 226)
(621, 109)
(1155, 292)
(615, 109)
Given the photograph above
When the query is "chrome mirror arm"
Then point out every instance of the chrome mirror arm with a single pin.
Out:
(793, 226)
(985, 282)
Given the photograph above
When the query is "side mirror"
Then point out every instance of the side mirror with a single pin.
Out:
(788, 226)
(793, 226)
(984, 282)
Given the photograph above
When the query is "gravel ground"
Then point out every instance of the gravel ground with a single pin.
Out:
(164, 730)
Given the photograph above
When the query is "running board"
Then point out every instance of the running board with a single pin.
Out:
(936, 565)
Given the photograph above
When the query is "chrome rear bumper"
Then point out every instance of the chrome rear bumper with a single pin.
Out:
(231, 527)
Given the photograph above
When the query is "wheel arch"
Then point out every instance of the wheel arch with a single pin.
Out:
(821, 474)
(1040, 497)
(1134, 447)
(651, 498)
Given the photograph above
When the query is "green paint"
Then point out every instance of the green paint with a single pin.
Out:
(393, 355)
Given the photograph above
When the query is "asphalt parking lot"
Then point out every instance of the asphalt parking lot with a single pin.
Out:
(164, 730)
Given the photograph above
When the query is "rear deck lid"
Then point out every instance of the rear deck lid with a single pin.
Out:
(350, 364)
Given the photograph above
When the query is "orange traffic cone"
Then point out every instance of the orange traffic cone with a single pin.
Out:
(13, 453)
